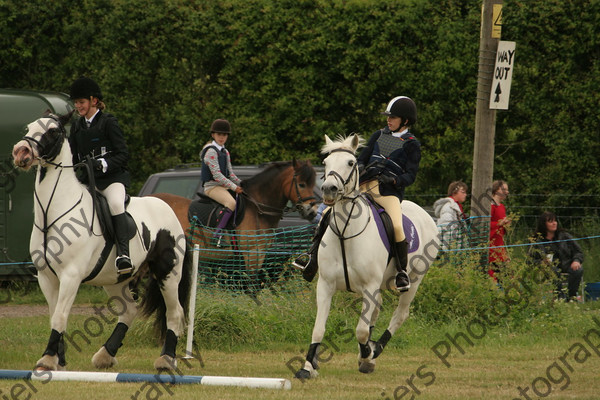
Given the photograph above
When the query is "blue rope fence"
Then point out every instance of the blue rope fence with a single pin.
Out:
(255, 260)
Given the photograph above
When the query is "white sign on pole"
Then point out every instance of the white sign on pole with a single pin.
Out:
(505, 61)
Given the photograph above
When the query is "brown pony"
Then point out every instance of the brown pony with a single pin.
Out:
(267, 194)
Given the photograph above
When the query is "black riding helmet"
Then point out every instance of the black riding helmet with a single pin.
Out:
(84, 88)
(220, 126)
(402, 107)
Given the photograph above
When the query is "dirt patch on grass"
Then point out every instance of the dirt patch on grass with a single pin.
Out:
(34, 310)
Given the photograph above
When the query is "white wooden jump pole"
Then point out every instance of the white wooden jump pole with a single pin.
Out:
(192, 304)
(50, 376)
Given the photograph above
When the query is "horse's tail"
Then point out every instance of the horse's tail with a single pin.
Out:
(160, 261)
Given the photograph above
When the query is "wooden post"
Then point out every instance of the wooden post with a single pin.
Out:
(485, 120)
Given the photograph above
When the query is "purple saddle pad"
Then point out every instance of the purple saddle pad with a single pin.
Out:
(410, 231)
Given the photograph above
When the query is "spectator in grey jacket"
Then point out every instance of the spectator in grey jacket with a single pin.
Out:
(556, 247)
(451, 216)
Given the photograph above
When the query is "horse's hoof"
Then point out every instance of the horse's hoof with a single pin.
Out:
(165, 363)
(366, 367)
(303, 374)
(103, 360)
(47, 363)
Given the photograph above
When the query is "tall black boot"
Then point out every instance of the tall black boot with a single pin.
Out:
(402, 279)
(307, 262)
(123, 262)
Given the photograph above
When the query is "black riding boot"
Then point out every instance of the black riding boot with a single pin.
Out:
(123, 262)
(402, 279)
(307, 262)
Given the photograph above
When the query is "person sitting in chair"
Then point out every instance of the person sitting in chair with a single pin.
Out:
(389, 163)
(217, 173)
(97, 134)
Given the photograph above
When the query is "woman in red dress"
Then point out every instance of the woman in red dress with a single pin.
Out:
(498, 223)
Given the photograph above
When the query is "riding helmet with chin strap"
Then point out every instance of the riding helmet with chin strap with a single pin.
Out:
(84, 88)
(220, 126)
(402, 107)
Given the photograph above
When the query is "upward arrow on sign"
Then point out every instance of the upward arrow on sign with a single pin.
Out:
(498, 92)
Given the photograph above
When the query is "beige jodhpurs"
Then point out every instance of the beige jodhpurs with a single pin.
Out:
(391, 204)
(115, 196)
(221, 195)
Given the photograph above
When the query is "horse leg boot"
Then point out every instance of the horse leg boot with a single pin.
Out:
(402, 279)
(307, 262)
(123, 262)
(218, 235)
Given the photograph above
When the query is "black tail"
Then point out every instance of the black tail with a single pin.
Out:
(160, 261)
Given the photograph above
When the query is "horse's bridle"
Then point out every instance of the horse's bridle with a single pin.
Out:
(352, 173)
(44, 155)
(340, 232)
(301, 200)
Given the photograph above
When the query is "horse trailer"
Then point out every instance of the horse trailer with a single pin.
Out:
(17, 109)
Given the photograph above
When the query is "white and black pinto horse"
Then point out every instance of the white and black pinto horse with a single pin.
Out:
(68, 248)
(353, 255)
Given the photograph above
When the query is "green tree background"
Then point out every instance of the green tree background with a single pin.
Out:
(287, 72)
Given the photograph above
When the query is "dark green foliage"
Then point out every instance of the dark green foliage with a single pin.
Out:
(287, 72)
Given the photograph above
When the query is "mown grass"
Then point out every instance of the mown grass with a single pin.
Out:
(493, 366)
(456, 344)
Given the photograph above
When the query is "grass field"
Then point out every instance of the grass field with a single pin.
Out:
(552, 356)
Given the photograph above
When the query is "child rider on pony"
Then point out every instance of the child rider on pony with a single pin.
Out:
(217, 174)
(388, 164)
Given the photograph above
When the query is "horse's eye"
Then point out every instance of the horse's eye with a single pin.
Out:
(351, 163)
(302, 185)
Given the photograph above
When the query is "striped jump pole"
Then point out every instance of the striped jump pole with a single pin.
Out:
(49, 376)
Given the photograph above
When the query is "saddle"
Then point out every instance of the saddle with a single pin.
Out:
(103, 211)
(105, 218)
(383, 222)
(208, 212)
(386, 228)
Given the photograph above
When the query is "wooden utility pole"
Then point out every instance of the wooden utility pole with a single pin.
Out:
(485, 118)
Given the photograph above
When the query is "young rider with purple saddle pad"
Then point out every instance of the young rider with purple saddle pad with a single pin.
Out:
(389, 163)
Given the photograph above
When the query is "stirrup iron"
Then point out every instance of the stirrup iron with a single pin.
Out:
(296, 264)
(123, 260)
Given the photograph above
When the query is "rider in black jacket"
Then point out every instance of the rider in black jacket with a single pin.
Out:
(97, 134)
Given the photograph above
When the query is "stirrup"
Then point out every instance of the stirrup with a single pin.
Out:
(298, 262)
(402, 288)
(123, 260)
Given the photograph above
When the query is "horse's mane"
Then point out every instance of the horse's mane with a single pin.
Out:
(342, 143)
(306, 172)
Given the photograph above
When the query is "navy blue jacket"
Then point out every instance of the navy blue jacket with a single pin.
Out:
(387, 155)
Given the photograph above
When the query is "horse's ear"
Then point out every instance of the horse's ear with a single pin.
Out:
(327, 140)
(355, 142)
(64, 119)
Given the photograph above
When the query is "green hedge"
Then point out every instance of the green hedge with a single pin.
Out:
(287, 72)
